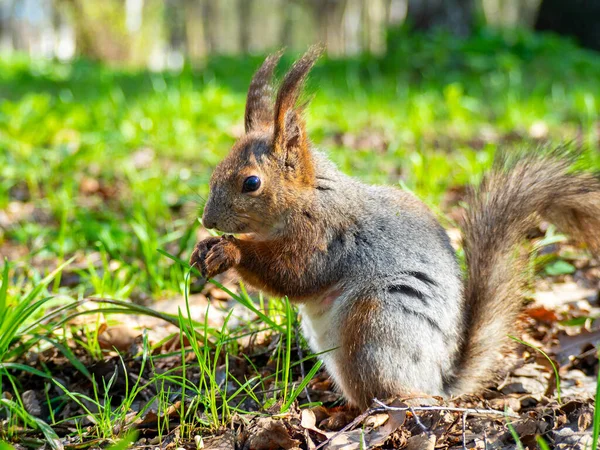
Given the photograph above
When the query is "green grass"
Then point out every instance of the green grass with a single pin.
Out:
(105, 170)
(545, 355)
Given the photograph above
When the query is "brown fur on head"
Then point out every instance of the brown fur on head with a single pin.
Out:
(275, 149)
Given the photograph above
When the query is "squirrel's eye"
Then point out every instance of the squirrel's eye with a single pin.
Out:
(251, 184)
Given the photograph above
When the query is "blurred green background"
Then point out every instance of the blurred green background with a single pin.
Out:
(113, 113)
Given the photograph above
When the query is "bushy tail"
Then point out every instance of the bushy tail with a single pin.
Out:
(516, 193)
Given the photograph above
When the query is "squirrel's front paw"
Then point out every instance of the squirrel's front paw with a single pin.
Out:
(216, 255)
(222, 256)
(198, 258)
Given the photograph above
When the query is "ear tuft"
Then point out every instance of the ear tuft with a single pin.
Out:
(289, 133)
(291, 87)
(259, 103)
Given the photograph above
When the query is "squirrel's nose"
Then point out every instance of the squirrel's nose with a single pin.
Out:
(208, 222)
(208, 219)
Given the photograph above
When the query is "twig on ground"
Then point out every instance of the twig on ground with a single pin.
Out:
(352, 424)
(479, 411)
(412, 411)
(383, 407)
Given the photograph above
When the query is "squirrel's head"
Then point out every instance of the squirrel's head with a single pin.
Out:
(269, 172)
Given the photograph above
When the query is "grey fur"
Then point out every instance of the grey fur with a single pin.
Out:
(402, 257)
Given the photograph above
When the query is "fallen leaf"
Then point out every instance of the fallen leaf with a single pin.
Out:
(568, 439)
(118, 337)
(309, 422)
(381, 434)
(376, 420)
(570, 346)
(421, 442)
(270, 434)
(541, 314)
(337, 420)
(585, 419)
(376, 430)
(31, 403)
(224, 442)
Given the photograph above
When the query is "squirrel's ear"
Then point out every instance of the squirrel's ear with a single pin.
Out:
(259, 103)
(289, 134)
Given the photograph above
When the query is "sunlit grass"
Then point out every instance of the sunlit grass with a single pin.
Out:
(111, 167)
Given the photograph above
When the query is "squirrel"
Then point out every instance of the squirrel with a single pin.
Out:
(378, 285)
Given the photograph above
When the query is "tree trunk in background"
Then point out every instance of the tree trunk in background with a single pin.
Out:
(244, 13)
(194, 30)
(375, 18)
(285, 31)
(453, 15)
(328, 16)
(577, 18)
(84, 36)
(174, 23)
(396, 12)
(4, 21)
(209, 16)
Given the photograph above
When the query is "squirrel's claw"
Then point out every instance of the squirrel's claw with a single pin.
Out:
(221, 257)
(200, 251)
(215, 255)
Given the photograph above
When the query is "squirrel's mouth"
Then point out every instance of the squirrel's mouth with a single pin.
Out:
(234, 227)
(244, 224)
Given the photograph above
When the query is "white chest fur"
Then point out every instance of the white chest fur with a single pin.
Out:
(320, 326)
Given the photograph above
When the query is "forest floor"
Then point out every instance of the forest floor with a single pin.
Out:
(106, 339)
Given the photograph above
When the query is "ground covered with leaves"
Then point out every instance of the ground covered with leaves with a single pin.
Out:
(105, 336)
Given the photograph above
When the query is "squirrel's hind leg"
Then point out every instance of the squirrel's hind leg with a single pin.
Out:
(389, 350)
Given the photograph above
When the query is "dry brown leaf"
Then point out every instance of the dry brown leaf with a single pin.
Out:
(31, 403)
(224, 442)
(541, 314)
(376, 420)
(270, 434)
(337, 420)
(568, 439)
(309, 422)
(510, 403)
(421, 442)
(530, 379)
(530, 427)
(575, 383)
(382, 426)
(585, 419)
(151, 418)
(120, 337)
(570, 346)
(379, 435)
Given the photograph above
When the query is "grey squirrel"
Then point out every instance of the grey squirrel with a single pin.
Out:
(371, 269)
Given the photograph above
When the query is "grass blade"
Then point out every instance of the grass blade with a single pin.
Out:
(66, 351)
(309, 376)
(4, 288)
(554, 368)
(124, 443)
(514, 434)
(542, 443)
(23, 367)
